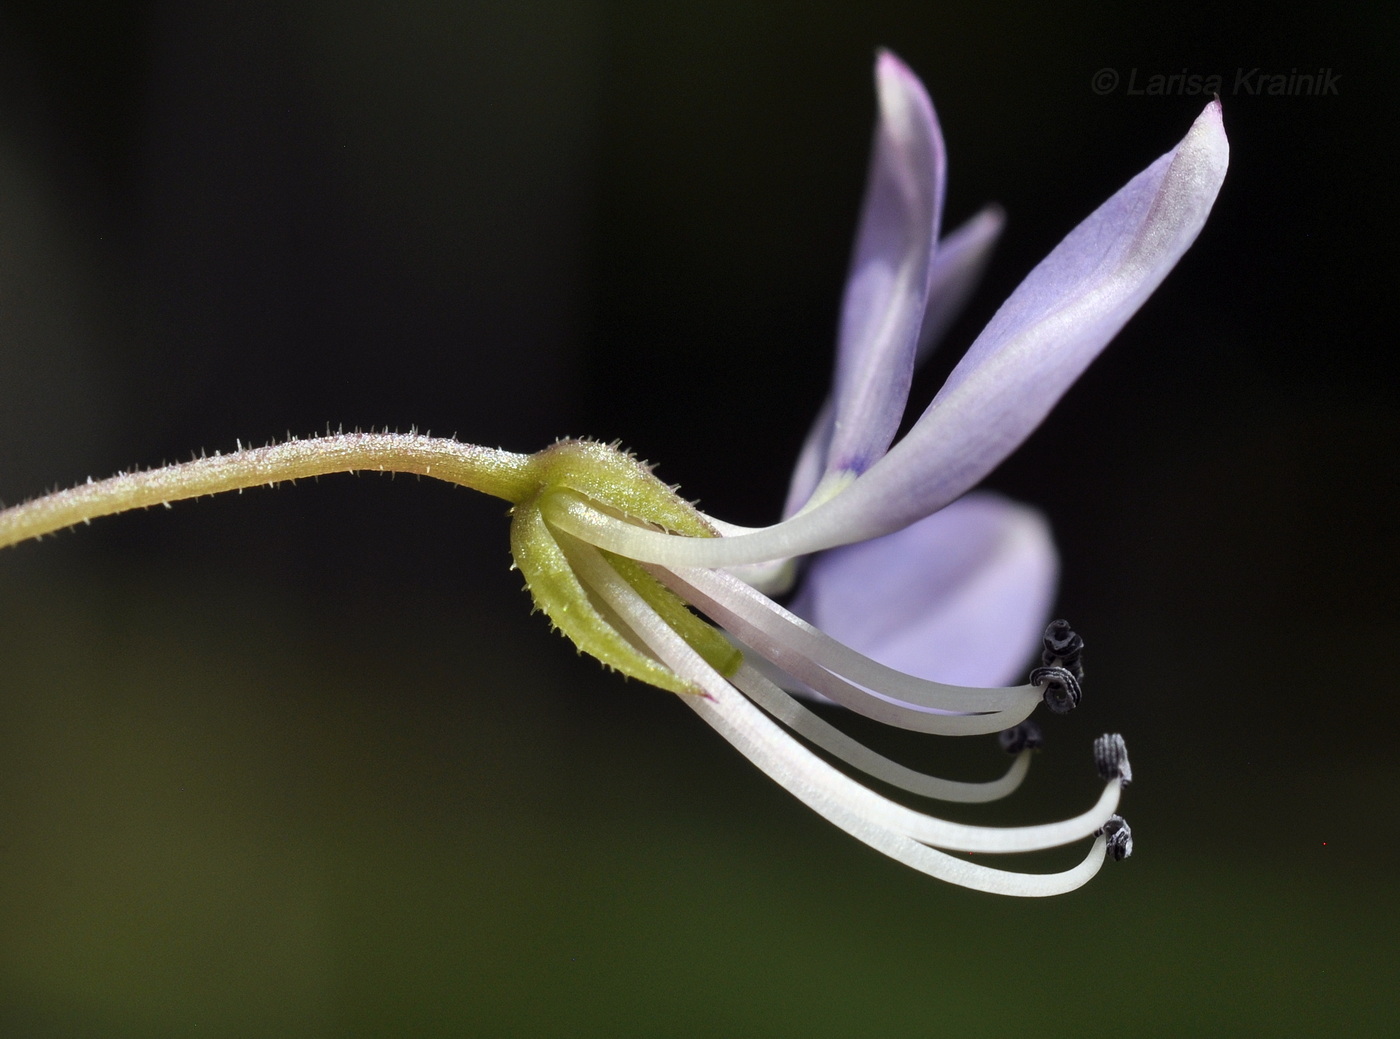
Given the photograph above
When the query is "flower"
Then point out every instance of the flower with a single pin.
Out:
(906, 567)
(617, 559)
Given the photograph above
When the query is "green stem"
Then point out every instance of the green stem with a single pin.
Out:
(492, 471)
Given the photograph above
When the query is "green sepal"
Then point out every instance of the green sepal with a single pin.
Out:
(615, 482)
(560, 595)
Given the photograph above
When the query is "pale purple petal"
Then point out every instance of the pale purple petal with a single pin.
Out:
(961, 597)
(888, 283)
(957, 268)
(1040, 341)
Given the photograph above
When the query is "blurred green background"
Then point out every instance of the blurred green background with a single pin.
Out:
(301, 763)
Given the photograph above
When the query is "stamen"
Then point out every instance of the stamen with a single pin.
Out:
(941, 833)
(1063, 648)
(821, 785)
(872, 703)
(759, 740)
(1062, 692)
(1020, 738)
(774, 631)
(786, 646)
(1118, 837)
(815, 729)
(1111, 758)
(1062, 667)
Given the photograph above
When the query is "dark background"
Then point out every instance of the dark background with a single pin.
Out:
(301, 763)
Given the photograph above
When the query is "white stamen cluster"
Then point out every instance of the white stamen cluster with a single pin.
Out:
(762, 720)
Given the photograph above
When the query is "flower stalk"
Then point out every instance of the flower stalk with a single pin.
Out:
(504, 474)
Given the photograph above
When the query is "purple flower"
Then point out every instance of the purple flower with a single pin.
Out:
(912, 576)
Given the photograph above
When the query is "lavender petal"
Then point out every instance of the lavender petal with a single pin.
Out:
(888, 284)
(961, 597)
(957, 266)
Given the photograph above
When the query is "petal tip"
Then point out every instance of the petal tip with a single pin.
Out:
(1208, 131)
(888, 63)
(989, 221)
(1204, 153)
(905, 108)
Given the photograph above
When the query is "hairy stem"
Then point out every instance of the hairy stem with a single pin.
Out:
(491, 471)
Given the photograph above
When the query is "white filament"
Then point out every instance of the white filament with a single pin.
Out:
(815, 729)
(769, 627)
